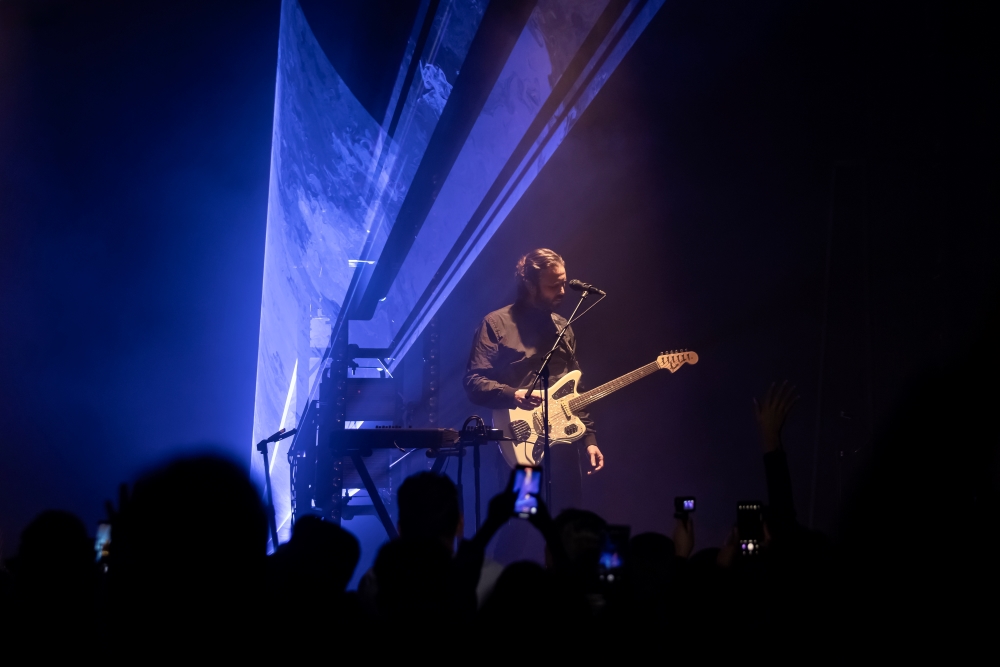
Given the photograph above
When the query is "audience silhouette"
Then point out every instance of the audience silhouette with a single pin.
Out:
(188, 560)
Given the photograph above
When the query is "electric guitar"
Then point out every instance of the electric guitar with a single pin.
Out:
(524, 427)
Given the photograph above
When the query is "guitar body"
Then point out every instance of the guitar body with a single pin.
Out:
(525, 429)
(525, 426)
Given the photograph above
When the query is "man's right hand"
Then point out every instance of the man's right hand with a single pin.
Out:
(526, 402)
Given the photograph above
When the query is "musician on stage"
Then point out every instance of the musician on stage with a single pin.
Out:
(506, 352)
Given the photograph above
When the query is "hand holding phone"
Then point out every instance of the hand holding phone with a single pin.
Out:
(613, 554)
(103, 541)
(527, 485)
(683, 505)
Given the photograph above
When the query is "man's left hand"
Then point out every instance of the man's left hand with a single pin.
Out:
(596, 459)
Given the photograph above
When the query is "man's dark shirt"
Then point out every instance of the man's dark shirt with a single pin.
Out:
(507, 350)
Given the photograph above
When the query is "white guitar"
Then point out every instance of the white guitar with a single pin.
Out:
(524, 427)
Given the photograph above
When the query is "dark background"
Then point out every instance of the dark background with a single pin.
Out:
(795, 190)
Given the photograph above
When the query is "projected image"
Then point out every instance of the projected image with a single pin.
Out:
(527, 483)
(341, 180)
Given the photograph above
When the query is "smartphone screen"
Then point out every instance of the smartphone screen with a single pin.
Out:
(684, 504)
(527, 484)
(612, 558)
(102, 541)
(750, 526)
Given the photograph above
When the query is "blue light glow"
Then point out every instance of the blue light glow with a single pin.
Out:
(482, 187)
(338, 181)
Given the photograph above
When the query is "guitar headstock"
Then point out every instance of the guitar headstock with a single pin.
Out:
(674, 359)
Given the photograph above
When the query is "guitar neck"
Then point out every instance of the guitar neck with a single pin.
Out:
(597, 393)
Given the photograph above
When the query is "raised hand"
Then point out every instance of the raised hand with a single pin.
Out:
(684, 536)
(730, 549)
(541, 519)
(771, 412)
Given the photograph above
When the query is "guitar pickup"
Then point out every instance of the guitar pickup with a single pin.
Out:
(539, 424)
(520, 430)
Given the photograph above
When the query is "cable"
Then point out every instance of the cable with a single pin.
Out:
(577, 318)
(480, 430)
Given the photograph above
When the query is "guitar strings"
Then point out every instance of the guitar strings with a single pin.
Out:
(603, 390)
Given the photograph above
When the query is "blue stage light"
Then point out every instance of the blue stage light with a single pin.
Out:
(338, 181)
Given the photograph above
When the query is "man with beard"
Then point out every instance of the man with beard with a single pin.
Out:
(506, 352)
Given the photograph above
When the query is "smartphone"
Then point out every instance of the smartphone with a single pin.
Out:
(750, 527)
(102, 541)
(613, 553)
(683, 505)
(527, 485)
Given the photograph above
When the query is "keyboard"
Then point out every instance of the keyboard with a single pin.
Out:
(363, 439)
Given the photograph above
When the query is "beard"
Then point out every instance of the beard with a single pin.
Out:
(549, 304)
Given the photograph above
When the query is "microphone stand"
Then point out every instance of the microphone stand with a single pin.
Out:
(262, 448)
(542, 375)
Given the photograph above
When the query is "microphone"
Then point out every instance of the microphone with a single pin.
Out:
(282, 434)
(582, 286)
(277, 437)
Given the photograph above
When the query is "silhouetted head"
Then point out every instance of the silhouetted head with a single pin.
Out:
(55, 544)
(428, 508)
(582, 536)
(651, 560)
(322, 554)
(523, 588)
(706, 558)
(414, 580)
(55, 576)
(193, 543)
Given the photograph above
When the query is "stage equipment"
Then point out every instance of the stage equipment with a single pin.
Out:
(474, 434)
(443, 227)
(262, 448)
(357, 444)
(374, 221)
(542, 380)
(439, 443)
(581, 286)
(526, 427)
(320, 480)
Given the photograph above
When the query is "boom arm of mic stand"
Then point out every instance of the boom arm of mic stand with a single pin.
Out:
(559, 337)
(544, 370)
(262, 448)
